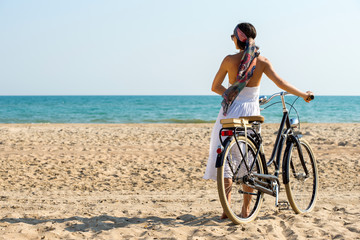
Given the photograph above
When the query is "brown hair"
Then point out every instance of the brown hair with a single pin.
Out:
(249, 30)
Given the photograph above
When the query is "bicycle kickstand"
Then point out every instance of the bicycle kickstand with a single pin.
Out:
(277, 195)
(281, 205)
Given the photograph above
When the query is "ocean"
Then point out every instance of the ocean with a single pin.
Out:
(162, 109)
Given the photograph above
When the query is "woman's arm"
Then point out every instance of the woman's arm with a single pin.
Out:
(281, 83)
(217, 86)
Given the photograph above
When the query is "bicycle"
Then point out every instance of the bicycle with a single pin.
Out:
(242, 169)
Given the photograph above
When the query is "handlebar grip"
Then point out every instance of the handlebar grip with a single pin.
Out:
(311, 97)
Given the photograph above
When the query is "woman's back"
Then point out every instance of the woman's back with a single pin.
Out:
(232, 67)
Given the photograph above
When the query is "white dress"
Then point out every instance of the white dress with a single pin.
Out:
(246, 104)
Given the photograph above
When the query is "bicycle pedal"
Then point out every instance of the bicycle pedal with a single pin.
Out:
(283, 205)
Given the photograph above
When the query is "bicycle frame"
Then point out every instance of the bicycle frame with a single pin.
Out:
(285, 132)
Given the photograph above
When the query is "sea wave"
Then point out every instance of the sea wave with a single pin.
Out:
(174, 120)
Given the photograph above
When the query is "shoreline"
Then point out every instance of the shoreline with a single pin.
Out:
(155, 124)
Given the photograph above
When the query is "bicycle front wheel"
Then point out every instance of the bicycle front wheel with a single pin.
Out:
(302, 176)
(240, 202)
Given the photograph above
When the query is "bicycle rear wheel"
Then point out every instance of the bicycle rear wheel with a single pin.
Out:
(229, 181)
(301, 190)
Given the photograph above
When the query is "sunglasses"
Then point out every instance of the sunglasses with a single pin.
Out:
(232, 36)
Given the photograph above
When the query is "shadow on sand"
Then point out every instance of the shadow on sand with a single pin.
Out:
(105, 222)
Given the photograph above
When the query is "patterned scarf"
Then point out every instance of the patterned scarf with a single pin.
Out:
(246, 70)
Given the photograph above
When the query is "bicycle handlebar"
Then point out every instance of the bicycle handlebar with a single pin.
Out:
(263, 99)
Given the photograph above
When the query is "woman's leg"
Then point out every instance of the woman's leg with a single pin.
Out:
(228, 184)
(245, 211)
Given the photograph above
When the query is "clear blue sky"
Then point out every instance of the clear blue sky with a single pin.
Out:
(153, 47)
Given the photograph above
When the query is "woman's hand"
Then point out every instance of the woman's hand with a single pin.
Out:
(308, 95)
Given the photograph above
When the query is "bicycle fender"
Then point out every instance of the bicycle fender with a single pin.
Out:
(286, 162)
(291, 139)
(220, 157)
(219, 160)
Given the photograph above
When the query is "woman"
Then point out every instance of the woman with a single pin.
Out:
(245, 101)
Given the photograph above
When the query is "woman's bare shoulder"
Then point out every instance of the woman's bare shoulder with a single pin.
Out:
(230, 60)
(263, 62)
(263, 59)
(232, 57)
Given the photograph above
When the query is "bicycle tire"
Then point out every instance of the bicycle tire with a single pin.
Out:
(301, 190)
(233, 208)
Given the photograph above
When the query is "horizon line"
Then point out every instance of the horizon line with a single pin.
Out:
(143, 95)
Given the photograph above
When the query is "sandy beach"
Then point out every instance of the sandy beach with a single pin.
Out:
(144, 181)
